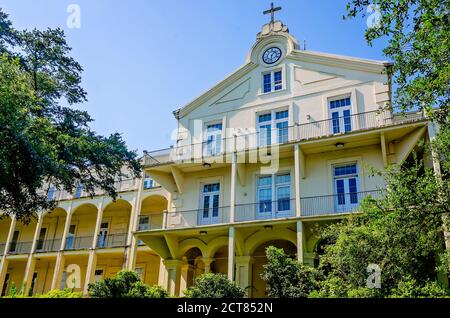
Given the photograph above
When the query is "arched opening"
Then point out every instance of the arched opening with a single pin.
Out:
(82, 227)
(114, 225)
(220, 264)
(152, 209)
(23, 235)
(52, 230)
(260, 259)
(193, 267)
(5, 224)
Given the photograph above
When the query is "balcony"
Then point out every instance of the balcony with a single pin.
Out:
(17, 248)
(112, 240)
(335, 204)
(317, 206)
(297, 133)
(47, 246)
(79, 243)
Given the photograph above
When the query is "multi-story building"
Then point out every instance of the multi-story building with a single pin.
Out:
(279, 148)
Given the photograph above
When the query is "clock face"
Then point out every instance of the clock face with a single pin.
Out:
(272, 55)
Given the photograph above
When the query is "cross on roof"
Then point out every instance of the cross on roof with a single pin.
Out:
(272, 12)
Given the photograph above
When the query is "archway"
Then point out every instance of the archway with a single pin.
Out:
(82, 227)
(152, 208)
(260, 259)
(114, 224)
(52, 230)
(192, 268)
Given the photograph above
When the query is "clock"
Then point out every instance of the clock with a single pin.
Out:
(272, 55)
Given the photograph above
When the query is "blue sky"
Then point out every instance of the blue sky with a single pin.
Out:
(143, 59)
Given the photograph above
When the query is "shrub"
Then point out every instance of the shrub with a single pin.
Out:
(65, 293)
(126, 284)
(214, 286)
(409, 288)
(287, 278)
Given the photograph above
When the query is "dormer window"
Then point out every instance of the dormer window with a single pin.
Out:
(273, 81)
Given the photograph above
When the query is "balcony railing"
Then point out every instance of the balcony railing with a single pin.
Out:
(335, 204)
(298, 132)
(283, 208)
(199, 217)
(280, 209)
(20, 247)
(45, 246)
(150, 221)
(112, 240)
(79, 243)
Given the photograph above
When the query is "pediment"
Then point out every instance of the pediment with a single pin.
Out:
(237, 93)
(306, 76)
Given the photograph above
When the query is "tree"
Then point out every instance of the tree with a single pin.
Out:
(214, 286)
(418, 33)
(44, 141)
(401, 233)
(287, 278)
(126, 284)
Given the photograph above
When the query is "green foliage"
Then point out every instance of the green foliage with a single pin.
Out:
(214, 286)
(418, 34)
(65, 293)
(402, 233)
(286, 278)
(44, 142)
(126, 284)
(410, 289)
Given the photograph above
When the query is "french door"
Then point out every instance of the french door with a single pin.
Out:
(70, 240)
(341, 117)
(209, 204)
(103, 235)
(274, 196)
(346, 188)
(213, 140)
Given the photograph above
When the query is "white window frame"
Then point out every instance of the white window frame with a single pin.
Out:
(104, 230)
(274, 136)
(273, 83)
(210, 219)
(206, 135)
(274, 213)
(340, 111)
(347, 206)
(149, 183)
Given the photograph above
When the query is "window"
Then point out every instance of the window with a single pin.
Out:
(103, 235)
(98, 275)
(41, 239)
(213, 139)
(51, 194)
(280, 134)
(5, 285)
(63, 280)
(346, 186)
(148, 182)
(79, 190)
(140, 272)
(70, 237)
(209, 204)
(274, 195)
(33, 284)
(13, 244)
(273, 81)
(341, 115)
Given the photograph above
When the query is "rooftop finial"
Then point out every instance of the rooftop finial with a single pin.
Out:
(272, 11)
